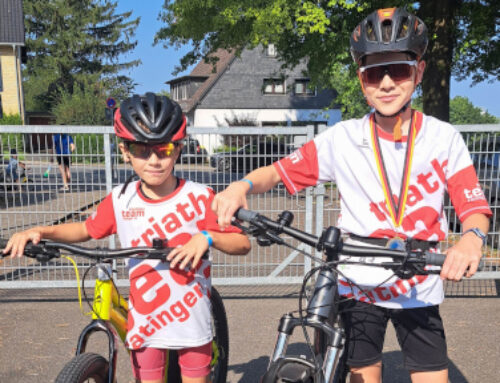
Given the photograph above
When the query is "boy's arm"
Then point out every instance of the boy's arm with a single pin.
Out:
(468, 251)
(191, 252)
(233, 197)
(68, 232)
(230, 243)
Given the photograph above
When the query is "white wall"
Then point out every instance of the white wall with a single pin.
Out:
(216, 117)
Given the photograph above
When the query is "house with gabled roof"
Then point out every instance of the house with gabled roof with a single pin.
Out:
(11, 48)
(254, 87)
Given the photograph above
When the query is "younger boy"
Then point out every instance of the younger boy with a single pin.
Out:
(159, 205)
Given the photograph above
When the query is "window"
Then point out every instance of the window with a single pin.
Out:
(1, 83)
(271, 50)
(179, 91)
(274, 86)
(303, 88)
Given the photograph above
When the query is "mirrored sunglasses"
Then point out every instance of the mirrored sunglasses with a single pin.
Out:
(143, 151)
(397, 71)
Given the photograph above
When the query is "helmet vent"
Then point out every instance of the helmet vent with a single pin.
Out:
(404, 28)
(386, 31)
(370, 32)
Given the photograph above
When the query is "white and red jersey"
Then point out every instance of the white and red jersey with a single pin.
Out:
(167, 308)
(345, 154)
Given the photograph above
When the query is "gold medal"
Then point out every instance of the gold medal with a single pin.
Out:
(396, 243)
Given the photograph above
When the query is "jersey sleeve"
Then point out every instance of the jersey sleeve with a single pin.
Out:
(300, 169)
(463, 185)
(310, 165)
(102, 222)
(210, 220)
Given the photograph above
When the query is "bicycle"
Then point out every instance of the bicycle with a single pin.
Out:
(110, 309)
(327, 361)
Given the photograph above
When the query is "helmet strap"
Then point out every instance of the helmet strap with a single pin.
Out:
(397, 132)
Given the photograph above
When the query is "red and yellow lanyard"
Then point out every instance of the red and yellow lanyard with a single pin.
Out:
(396, 210)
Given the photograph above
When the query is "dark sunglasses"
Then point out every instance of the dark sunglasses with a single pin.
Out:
(397, 71)
(143, 151)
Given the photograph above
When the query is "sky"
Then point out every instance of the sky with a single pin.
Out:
(159, 62)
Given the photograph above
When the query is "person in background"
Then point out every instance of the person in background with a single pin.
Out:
(63, 147)
(12, 168)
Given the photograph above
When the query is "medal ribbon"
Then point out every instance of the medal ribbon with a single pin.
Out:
(396, 210)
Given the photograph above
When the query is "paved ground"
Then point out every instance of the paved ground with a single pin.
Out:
(39, 328)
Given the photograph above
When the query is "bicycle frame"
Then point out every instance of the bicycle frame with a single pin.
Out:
(109, 315)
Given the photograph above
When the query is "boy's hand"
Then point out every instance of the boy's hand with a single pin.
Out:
(228, 201)
(18, 241)
(464, 256)
(190, 252)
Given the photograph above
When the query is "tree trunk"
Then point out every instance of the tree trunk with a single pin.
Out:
(439, 16)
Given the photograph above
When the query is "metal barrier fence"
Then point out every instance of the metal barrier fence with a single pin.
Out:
(97, 166)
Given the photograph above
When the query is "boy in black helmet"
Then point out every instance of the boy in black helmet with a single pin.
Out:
(169, 306)
(392, 168)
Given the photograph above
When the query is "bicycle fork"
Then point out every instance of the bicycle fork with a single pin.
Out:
(106, 318)
(320, 308)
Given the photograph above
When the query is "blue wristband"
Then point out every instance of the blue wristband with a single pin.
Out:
(249, 182)
(208, 237)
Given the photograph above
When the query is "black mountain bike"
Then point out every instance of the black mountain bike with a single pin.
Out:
(322, 314)
(109, 314)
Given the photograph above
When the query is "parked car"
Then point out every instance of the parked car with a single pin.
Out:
(193, 152)
(249, 157)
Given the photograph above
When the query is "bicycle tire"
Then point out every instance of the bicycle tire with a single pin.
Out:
(221, 339)
(84, 367)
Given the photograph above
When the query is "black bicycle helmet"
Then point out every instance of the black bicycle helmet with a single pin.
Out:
(150, 119)
(389, 30)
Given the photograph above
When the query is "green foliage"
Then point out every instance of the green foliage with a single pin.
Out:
(84, 106)
(463, 112)
(11, 119)
(70, 42)
(320, 31)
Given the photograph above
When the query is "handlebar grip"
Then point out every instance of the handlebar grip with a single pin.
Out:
(436, 259)
(245, 215)
(3, 243)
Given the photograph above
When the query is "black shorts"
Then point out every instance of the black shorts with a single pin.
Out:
(419, 331)
(63, 159)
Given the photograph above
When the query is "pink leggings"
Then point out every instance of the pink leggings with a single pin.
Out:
(149, 363)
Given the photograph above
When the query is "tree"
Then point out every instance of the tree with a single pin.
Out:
(70, 42)
(462, 38)
(462, 111)
(84, 106)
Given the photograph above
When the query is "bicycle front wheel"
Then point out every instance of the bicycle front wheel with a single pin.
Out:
(85, 368)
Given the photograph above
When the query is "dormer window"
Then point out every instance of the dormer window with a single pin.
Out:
(274, 86)
(303, 88)
(271, 50)
(179, 91)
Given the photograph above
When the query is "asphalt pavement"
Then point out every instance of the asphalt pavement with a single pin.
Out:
(39, 330)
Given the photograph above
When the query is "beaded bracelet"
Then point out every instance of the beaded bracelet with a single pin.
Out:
(208, 237)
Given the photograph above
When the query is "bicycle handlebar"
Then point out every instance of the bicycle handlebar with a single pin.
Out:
(281, 226)
(46, 250)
